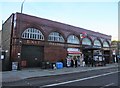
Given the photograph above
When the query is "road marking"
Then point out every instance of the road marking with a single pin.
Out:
(108, 85)
(56, 84)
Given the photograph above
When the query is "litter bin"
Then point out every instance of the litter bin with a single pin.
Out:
(59, 65)
(14, 66)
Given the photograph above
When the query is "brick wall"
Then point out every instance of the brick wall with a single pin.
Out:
(6, 38)
(0, 37)
(54, 53)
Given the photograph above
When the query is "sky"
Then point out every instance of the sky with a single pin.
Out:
(96, 15)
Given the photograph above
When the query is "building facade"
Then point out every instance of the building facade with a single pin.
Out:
(0, 50)
(32, 40)
(0, 37)
(115, 47)
(119, 21)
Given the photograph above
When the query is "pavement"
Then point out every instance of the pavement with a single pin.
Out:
(11, 76)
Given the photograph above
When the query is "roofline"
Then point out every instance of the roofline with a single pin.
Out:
(63, 23)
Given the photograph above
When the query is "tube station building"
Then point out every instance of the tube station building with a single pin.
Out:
(31, 40)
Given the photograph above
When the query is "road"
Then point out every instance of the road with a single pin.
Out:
(103, 78)
(103, 81)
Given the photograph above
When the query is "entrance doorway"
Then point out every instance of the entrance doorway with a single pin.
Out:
(107, 56)
(32, 56)
(88, 55)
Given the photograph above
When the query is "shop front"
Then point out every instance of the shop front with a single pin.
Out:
(107, 52)
(92, 51)
(73, 52)
(90, 54)
(86, 50)
(73, 46)
(107, 55)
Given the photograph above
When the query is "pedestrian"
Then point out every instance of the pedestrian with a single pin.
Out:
(92, 62)
(68, 61)
(75, 62)
(54, 66)
(78, 60)
(83, 63)
(104, 62)
(81, 59)
(72, 62)
(96, 60)
(89, 61)
(86, 60)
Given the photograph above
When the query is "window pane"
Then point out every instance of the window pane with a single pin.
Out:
(73, 39)
(105, 44)
(32, 33)
(55, 36)
(97, 43)
(86, 41)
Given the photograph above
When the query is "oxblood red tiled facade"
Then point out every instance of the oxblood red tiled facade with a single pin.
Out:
(52, 51)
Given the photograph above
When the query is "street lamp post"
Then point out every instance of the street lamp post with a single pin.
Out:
(118, 48)
(22, 6)
(19, 53)
(118, 51)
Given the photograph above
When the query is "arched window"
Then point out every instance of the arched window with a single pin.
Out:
(55, 36)
(109, 41)
(105, 44)
(86, 41)
(73, 39)
(97, 43)
(32, 33)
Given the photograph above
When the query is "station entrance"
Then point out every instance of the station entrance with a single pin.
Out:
(92, 54)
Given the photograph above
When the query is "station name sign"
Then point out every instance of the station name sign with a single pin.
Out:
(57, 44)
(63, 45)
(106, 48)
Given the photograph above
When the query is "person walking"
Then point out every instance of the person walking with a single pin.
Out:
(76, 63)
(68, 61)
(72, 62)
(81, 59)
(89, 61)
(83, 63)
(78, 60)
(92, 62)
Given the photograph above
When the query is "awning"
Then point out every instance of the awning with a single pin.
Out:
(74, 52)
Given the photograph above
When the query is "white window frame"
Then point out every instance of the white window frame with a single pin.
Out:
(73, 39)
(97, 43)
(32, 33)
(55, 36)
(85, 41)
(105, 44)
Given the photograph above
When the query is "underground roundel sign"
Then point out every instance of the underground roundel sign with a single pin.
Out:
(83, 35)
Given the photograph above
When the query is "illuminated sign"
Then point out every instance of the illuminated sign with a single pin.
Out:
(83, 35)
